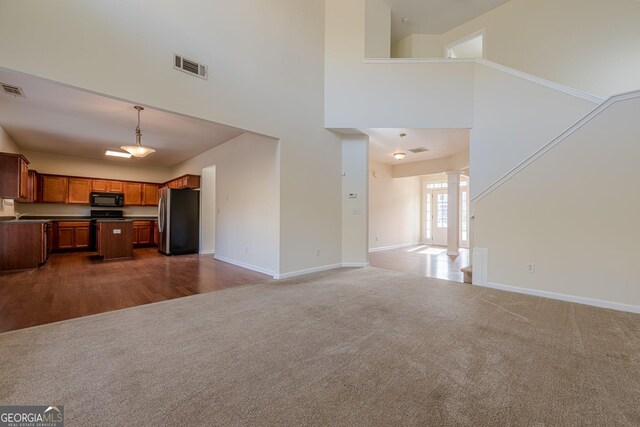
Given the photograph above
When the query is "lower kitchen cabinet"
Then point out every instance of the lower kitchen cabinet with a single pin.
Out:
(143, 233)
(23, 244)
(72, 235)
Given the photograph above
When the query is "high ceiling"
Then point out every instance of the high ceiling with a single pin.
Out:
(383, 143)
(434, 16)
(58, 119)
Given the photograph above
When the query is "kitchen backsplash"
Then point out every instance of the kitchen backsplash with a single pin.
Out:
(43, 209)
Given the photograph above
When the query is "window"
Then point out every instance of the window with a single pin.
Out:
(435, 185)
(464, 226)
(442, 210)
(428, 215)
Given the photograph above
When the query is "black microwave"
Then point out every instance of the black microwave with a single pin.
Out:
(107, 200)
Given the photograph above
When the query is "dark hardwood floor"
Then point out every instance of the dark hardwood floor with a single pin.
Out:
(422, 260)
(79, 284)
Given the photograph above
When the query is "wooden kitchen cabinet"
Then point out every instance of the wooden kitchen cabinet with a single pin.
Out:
(54, 188)
(72, 235)
(142, 233)
(156, 232)
(79, 190)
(33, 194)
(185, 181)
(100, 185)
(23, 244)
(14, 177)
(132, 193)
(149, 195)
(116, 187)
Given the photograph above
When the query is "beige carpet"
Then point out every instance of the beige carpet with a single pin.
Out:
(349, 347)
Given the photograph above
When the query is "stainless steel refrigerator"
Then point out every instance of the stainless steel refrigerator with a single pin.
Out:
(178, 221)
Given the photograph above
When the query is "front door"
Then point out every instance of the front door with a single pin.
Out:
(440, 213)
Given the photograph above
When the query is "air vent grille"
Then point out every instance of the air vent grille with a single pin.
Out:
(419, 150)
(12, 90)
(190, 66)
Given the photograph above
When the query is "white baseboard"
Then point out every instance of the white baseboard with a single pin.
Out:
(564, 297)
(355, 264)
(207, 252)
(386, 248)
(245, 265)
(307, 271)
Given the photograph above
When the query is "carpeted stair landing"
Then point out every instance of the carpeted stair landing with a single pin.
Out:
(349, 347)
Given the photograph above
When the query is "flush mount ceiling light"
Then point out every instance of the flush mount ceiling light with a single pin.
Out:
(117, 154)
(138, 150)
(399, 156)
(403, 134)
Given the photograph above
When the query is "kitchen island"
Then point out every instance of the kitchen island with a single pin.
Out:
(114, 238)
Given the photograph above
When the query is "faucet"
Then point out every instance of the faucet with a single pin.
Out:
(19, 215)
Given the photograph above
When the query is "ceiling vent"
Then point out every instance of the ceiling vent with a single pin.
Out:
(190, 66)
(12, 90)
(419, 150)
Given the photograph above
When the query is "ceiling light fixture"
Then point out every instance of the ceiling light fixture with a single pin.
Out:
(399, 156)
(138, 150)
(403, 134)
(117, 154)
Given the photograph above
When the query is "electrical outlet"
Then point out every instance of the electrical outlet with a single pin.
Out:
(317, 252)
(531, 267)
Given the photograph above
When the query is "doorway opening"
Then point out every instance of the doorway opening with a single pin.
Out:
(436, 212)
(471, 46)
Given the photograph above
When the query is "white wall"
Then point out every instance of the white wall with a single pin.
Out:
(7, 145)
(247, 186)
(574, 213)
(377, 29)
(514, 118)
(208, 210)
(455, 162)
(419, 46)
(402, 48)
(266, 65)
(355, 164)
(591, 45)
(373, 95)
(394, 208)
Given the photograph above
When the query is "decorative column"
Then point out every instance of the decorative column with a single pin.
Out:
(453, 213)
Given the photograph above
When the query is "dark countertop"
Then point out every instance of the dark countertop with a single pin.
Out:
(71, 218)
(24, 221)
(113, 220)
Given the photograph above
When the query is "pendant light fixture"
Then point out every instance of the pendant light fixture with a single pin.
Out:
(138, 150)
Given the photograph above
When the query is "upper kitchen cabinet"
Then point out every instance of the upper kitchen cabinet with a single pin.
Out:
(185, 181)
(100, 185)
(54, 188)
(79, 190)
(14, 177)
(132, 193)
(116, 187)
(149, 194)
